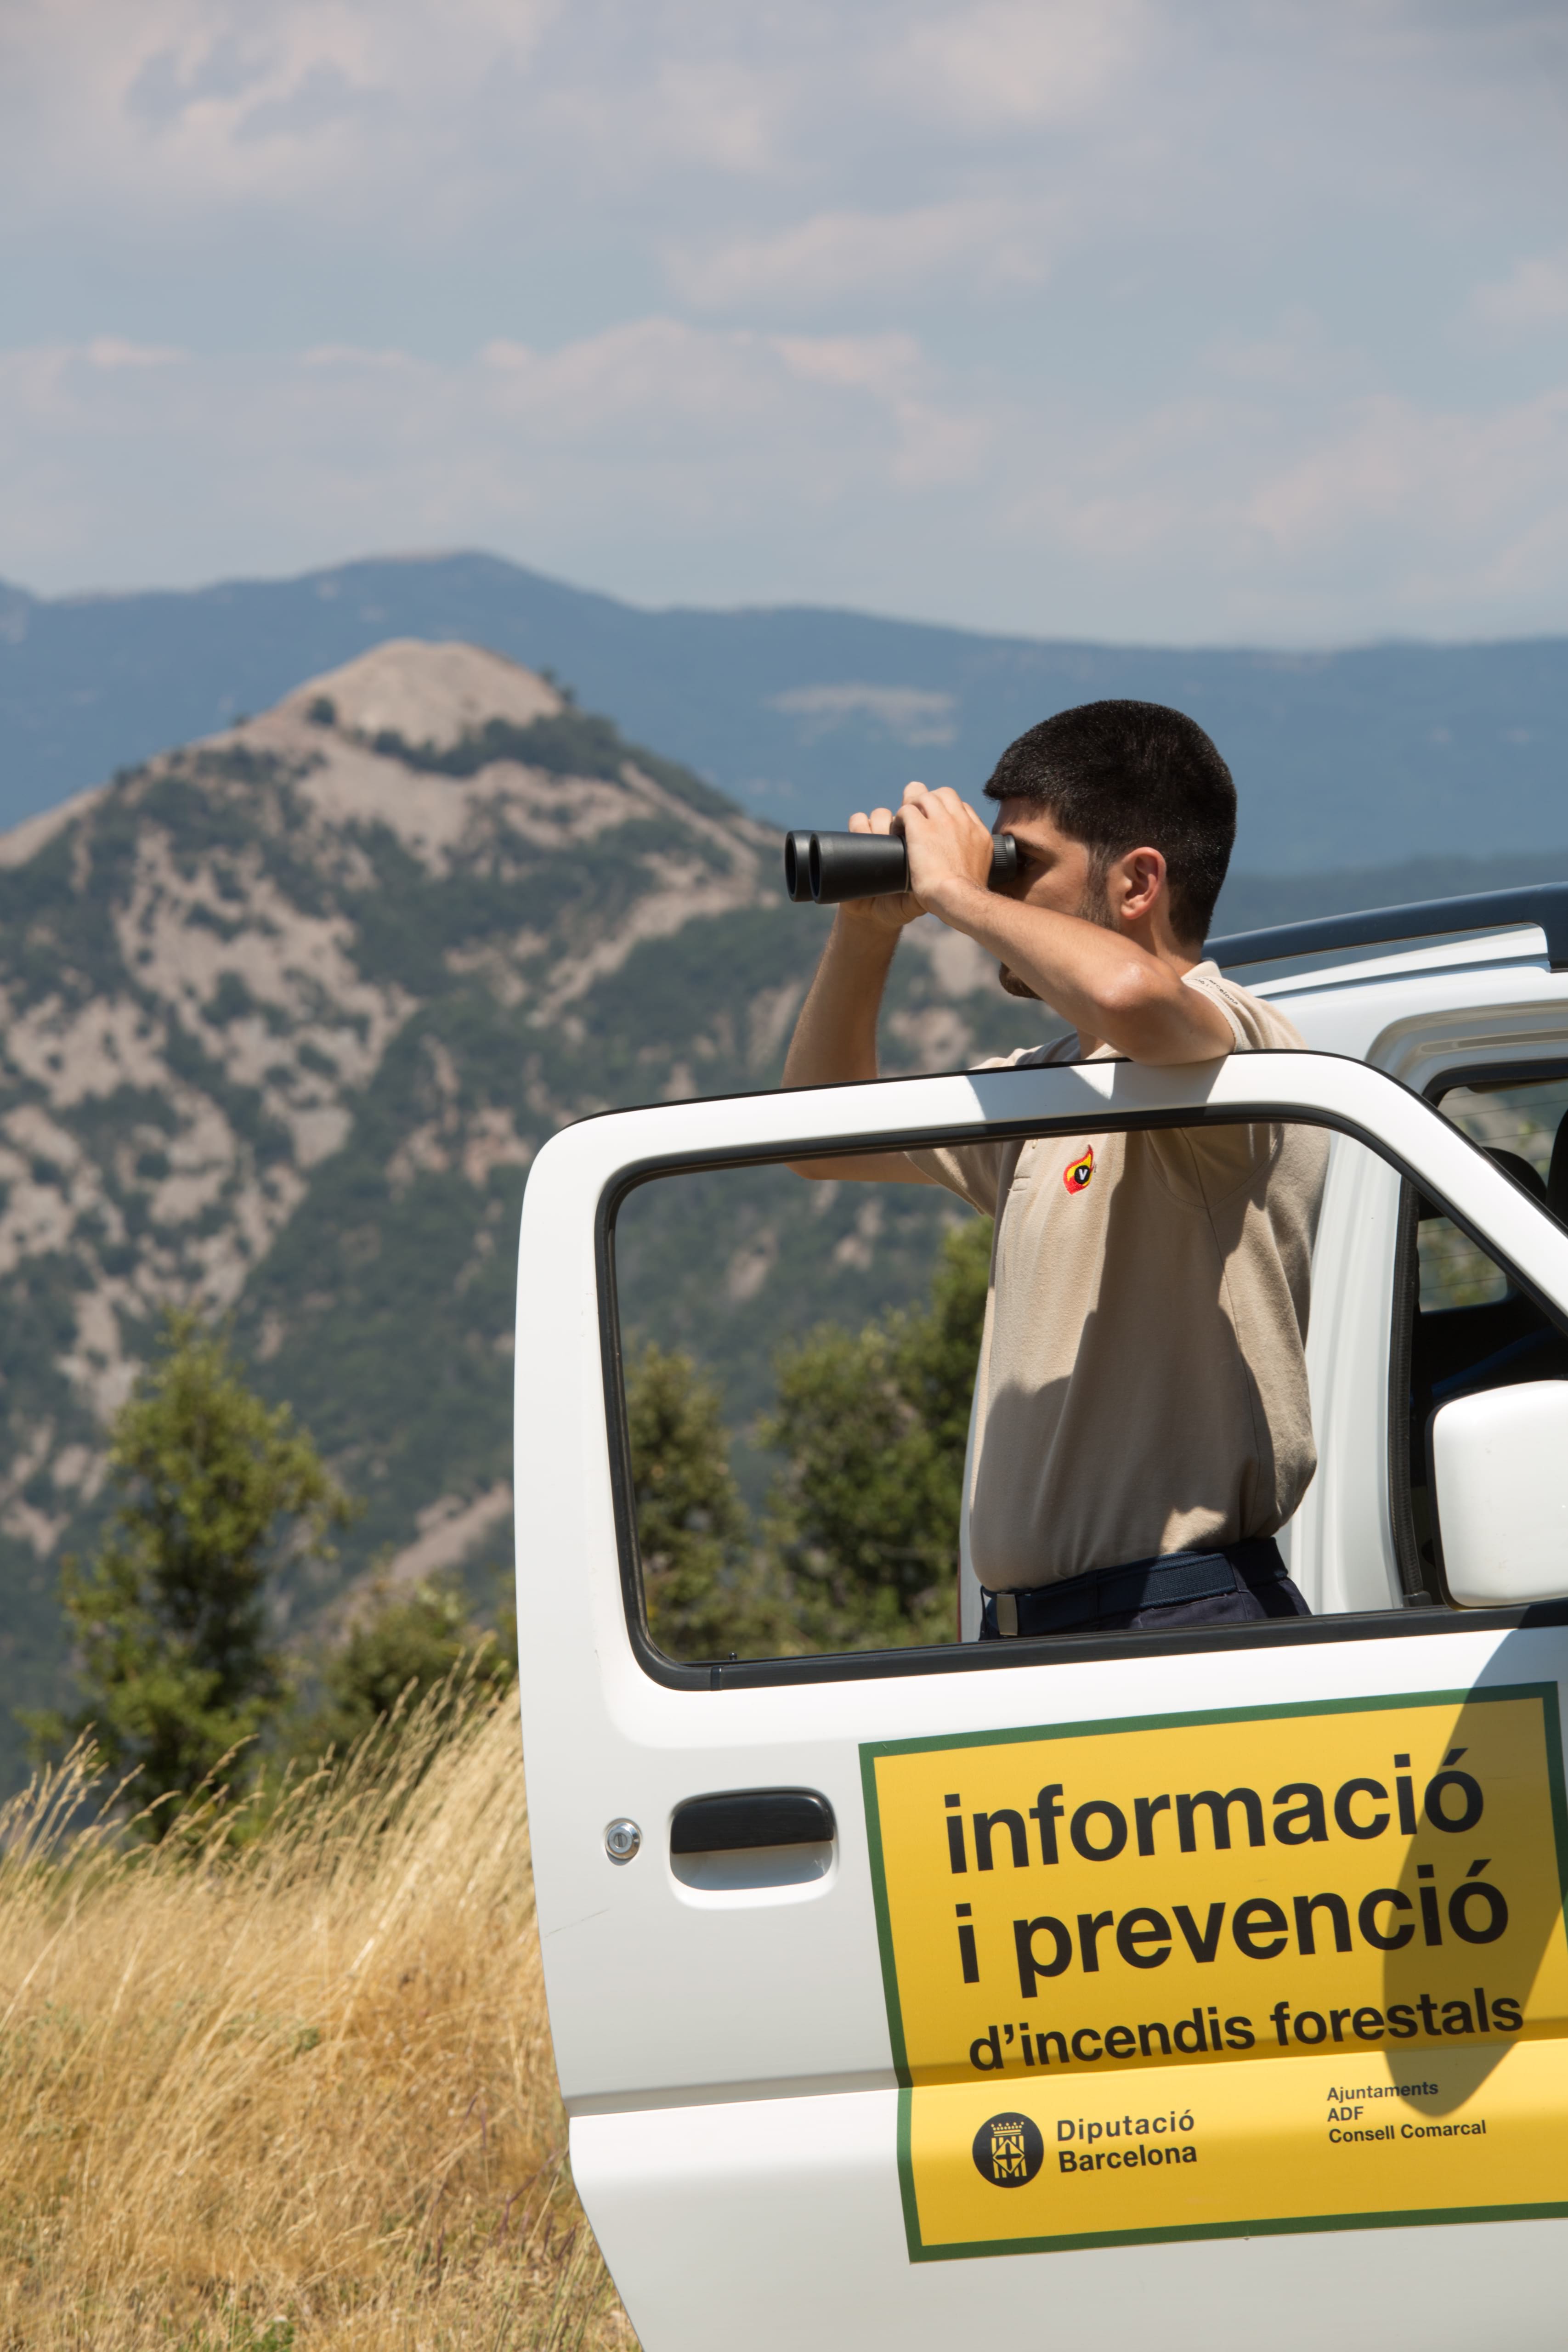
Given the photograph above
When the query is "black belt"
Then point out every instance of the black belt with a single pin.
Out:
(1139, 1584)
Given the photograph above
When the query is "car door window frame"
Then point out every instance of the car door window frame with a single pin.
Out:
(954, 1657)
(1424, 1585)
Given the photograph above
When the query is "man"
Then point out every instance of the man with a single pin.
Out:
(1143, 1428)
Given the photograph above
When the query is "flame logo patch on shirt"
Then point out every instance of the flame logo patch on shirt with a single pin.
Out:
(1076, 1177)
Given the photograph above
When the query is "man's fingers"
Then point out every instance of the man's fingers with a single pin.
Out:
(882, 821)
(861, 822)
(943, 800)
(929, 808)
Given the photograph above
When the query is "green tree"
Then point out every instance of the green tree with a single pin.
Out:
(873, 1427)
(218, 1490)
(708, 1591)
(406, 1647)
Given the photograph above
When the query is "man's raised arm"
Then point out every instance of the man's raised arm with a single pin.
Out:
(835, 1040)
(1099, 948)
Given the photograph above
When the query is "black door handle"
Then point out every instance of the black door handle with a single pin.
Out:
(743, 1817)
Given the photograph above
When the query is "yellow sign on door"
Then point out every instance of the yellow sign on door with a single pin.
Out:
(1292, 1967)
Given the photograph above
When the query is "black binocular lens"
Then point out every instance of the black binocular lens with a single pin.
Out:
(823, 868)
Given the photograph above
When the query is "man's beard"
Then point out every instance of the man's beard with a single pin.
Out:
(1094, 907)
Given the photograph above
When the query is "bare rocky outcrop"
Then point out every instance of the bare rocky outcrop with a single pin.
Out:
(433, 694)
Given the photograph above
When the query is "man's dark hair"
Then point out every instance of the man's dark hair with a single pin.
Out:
(1121, 775)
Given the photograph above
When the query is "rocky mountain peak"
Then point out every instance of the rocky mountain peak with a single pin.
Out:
(434, 696)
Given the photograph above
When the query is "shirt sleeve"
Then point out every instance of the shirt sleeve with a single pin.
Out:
(1217, 1160)
(1256, 1028)
(973, 1170)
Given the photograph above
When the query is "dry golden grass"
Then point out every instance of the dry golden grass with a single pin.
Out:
(292, 2097)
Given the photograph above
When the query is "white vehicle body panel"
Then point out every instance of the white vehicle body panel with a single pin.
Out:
(675, 2197)
(724, 2054)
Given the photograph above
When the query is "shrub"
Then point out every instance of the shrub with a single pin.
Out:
(177, 1668)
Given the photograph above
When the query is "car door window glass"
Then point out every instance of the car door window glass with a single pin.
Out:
(798, 1360)
(1470, 1328)
(1523, 1124)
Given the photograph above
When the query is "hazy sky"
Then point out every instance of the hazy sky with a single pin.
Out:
(1182, 320)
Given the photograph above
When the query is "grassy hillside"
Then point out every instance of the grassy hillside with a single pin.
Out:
(311, 2106)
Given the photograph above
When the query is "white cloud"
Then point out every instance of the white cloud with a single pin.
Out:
(1534, 293)
(835, 257)
(656, 379)
(1010, 62)
(904, 712)
(178, 100)
(466, 108)
(1121, 318)
(1380, 515)
(1296, 357)
(657, 427)
(888, 365)
(702, 110)
(661, 457)
(1444, 489)
(114, 352)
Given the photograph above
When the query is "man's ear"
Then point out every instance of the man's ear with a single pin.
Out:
(1140, 874)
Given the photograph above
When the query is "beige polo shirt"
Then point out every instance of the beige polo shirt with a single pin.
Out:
(1143, 1383)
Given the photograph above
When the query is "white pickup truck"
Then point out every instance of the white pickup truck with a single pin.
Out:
(1197, 1990)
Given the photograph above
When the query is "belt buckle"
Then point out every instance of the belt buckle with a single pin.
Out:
(1007, 1615)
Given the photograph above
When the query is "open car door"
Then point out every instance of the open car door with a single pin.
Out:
(1119, 1988)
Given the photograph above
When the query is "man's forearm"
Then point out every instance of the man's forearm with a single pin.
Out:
(1108, 987)
(835, 1040)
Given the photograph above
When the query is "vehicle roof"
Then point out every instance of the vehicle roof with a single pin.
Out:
(1542, 907)
(1304, 978)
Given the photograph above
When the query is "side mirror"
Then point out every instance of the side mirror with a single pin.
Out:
(1500, 1482)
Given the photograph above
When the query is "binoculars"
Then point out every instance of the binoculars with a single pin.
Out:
(826, 867)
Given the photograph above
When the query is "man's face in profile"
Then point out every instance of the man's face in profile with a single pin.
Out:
(1054, 871)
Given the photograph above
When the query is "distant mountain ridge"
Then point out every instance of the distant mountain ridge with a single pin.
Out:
(1360, 758)
(1255, 901)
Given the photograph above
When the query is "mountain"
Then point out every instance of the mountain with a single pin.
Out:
(289, 1011)
(1346, 759)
